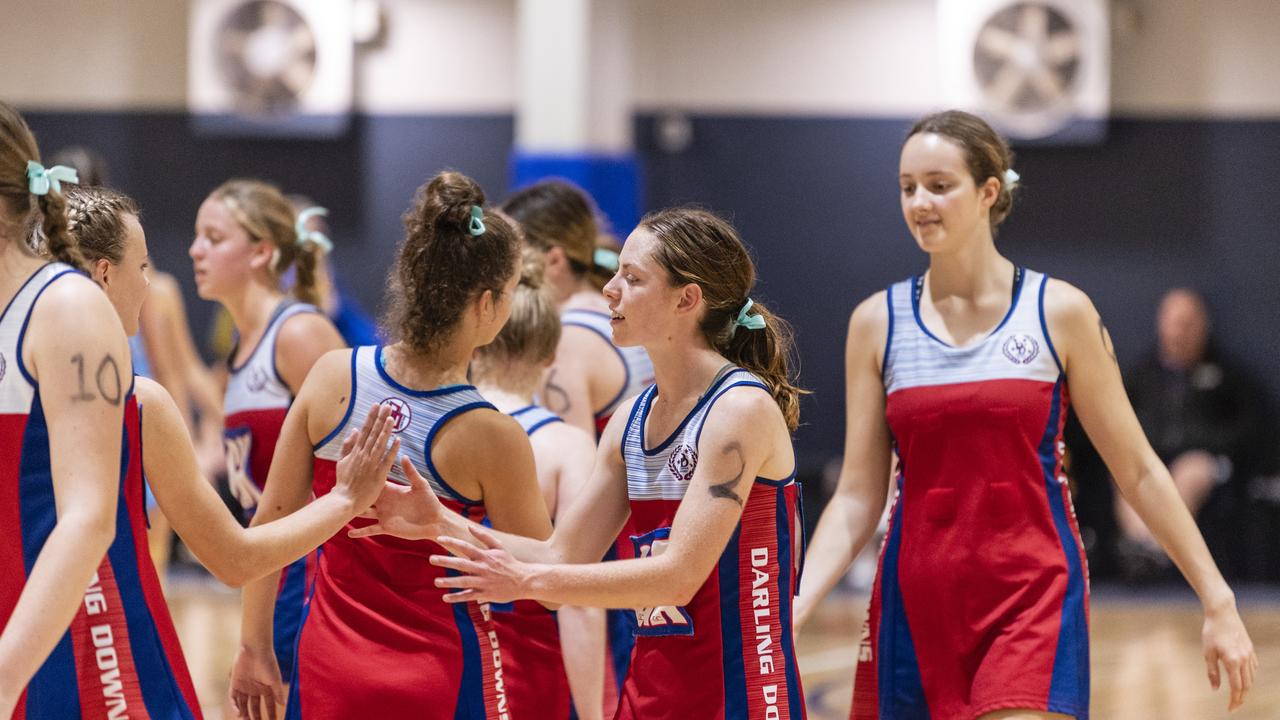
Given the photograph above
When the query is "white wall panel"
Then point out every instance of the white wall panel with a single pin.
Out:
(833, 57)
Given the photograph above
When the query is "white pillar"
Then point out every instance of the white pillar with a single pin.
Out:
(573, 114)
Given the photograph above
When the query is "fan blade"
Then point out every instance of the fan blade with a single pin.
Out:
(1033, 24)
(997, 42)
(301, 41)
(1046, 83)
(1005, 85)
(1061, 48)
(273, 13)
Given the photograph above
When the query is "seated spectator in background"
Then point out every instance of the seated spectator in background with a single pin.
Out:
(1203, 417)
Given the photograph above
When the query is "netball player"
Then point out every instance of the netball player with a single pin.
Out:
(980, 608)
(507, 372)
(60, 468)
(246, 238)
(162, 350)
(702, 463)
(377, 641)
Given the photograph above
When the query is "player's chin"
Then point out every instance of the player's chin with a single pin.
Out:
(622, 336)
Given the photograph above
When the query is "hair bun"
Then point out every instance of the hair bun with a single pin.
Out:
(449, 198)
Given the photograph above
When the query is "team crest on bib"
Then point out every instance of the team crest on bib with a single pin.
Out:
(1021, 349)
(401, 413)
(682, 462)
(258, 379)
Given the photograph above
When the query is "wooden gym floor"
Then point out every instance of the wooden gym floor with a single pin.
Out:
(1145, 652)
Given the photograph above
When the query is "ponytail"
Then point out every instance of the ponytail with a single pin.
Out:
(304, 259)
(696, 246)
(766, 349)
(17, 151)
(60, 244)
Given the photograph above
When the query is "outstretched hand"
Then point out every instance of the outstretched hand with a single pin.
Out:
(367, 455)
(412, 511)
(1226, 642)
(488, 572)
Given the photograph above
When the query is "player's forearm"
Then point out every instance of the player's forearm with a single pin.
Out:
(843, 530)
(258, 611)
(51, 596)
(637, 582)
(582, 637)
(524, 549)
(1156, 500)
(269, 547)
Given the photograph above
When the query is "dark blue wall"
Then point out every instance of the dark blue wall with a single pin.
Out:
(1160, 203)
(367, 178)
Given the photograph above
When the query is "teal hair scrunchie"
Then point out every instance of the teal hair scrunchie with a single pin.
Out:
(606, 258)
(40, 181)
(312, 237)
(750, 322)
(477, 221)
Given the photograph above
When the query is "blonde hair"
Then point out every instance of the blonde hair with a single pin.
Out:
(266, 215)
(533, 330)
(95, 217)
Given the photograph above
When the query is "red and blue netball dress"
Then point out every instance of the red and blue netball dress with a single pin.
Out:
(533, 664)
(257, 401)
(377, 639)
(981, 600)
(638, 375)
(728, 654)
(120, 657)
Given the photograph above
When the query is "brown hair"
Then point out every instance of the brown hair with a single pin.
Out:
(17, 147)
(441, 266)
(986, 153)
(95, 218)
(696, 246)
(533, 330)
(265, 214)
(557, 213)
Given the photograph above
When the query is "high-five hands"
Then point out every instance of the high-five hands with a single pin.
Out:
(489, 574)
(367, 455)
(412, 511)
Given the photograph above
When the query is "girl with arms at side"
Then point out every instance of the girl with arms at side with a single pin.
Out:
(980, 608)
(247, 238)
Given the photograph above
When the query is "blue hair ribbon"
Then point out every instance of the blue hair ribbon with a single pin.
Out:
(477, 221)
(606, 258)
(750, 322)
(312, 237)
(40, 181)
